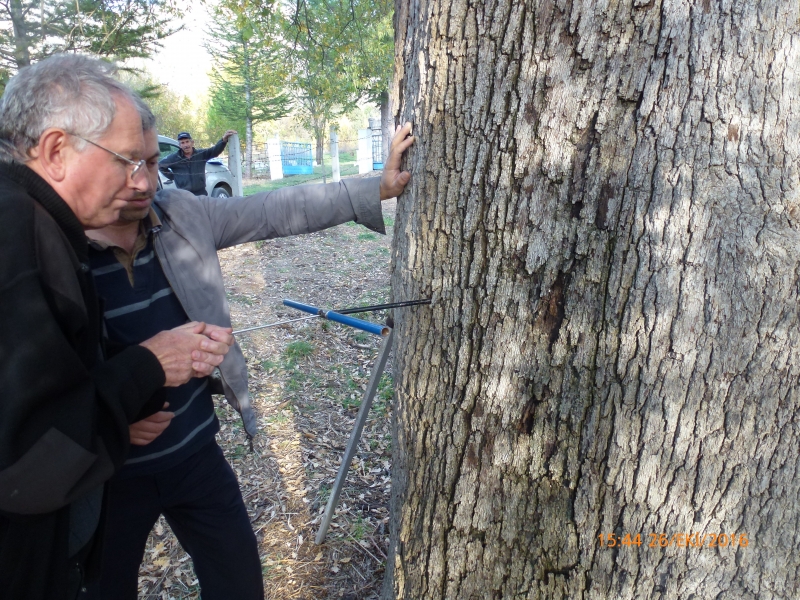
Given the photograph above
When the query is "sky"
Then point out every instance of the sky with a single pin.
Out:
(183, 64)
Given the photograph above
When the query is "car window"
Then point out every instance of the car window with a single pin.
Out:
(166, 149)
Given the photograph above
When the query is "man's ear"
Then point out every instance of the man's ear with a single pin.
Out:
(50, 153)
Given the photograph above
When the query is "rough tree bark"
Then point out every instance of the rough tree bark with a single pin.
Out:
(386, 125)
(604, 207)
(248, 102)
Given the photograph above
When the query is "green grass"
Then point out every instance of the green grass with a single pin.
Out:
(383, 396)
(351, 403)
(239, 451)
(388, 221)
(297, 350)
(386, 387)
(241, 299)
(345, 168)
(269, 365)
(367, 237)
(279, 418)
(324, 493)
(359, 530)
(294, 383)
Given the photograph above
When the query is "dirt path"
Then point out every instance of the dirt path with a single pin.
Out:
(306, 380)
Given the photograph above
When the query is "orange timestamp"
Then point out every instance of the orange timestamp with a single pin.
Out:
(681, 540)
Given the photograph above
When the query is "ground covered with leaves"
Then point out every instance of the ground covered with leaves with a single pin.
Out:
(307, 380)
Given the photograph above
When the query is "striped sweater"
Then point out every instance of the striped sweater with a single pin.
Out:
(138, 302)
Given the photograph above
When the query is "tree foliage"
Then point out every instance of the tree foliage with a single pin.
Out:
(31, 30)
(340, 52)
(250, 76)
(174, 112)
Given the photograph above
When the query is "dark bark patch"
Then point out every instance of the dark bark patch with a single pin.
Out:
(526, 423)
(733, 133)
(529, 114)
(565, 572)
(588, 140)
(552, 311)
(706, 6)
(478, 410)
(606, 192)
(527, 419)
(472, 456)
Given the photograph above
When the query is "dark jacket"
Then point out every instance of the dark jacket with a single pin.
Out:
(65, 410)
(190, 173)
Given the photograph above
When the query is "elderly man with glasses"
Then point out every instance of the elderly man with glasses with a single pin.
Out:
(71, 151)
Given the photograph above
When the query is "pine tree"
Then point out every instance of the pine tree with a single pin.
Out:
(31, 30)
(247, 84)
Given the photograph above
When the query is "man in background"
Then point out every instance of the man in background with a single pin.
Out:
(167, 249)
(71, 156)
(187, 166)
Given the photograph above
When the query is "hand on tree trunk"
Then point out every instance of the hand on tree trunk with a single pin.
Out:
(393, 180)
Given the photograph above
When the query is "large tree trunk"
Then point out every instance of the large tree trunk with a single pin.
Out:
(22, 56)
(604, 207)
(386, 125)
(319, 135)
(248, 102)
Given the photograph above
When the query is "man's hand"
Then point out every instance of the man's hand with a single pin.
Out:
(223, 335)
(218, 334)
(393, 180)
(226, 136)
(145, 431)
(186, 352)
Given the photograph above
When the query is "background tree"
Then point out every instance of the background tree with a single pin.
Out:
(342, 53)
(174, 112)
(323, 66)
(31, 30)
(605, 210)
(372, 44)
(247, 85)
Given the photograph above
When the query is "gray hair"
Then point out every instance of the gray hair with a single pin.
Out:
(148, 118)
(69, 91)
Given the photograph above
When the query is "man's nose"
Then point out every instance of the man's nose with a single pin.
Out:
(139, 181)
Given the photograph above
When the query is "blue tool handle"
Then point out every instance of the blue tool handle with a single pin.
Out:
(357, 323)
(304, 307)
(343, 319)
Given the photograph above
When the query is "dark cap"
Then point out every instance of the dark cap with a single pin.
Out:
(184, 135)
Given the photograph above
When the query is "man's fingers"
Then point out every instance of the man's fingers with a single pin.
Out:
(207, 357)
(145, 431)
(223, 335)
(162, 416)
(202, 369)
(401, 134)
(213, 347)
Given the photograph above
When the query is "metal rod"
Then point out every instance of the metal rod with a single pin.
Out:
(339, 318)
(355, 437)
(358, 309)
(273, 324)
(343, 311)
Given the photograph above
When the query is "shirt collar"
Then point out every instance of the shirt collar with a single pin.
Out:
(150, 224)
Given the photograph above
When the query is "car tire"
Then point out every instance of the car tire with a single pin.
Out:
(221, 192)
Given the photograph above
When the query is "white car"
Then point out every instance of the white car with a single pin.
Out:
(219, 181)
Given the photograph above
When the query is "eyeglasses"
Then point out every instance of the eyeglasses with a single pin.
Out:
(136, 164)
